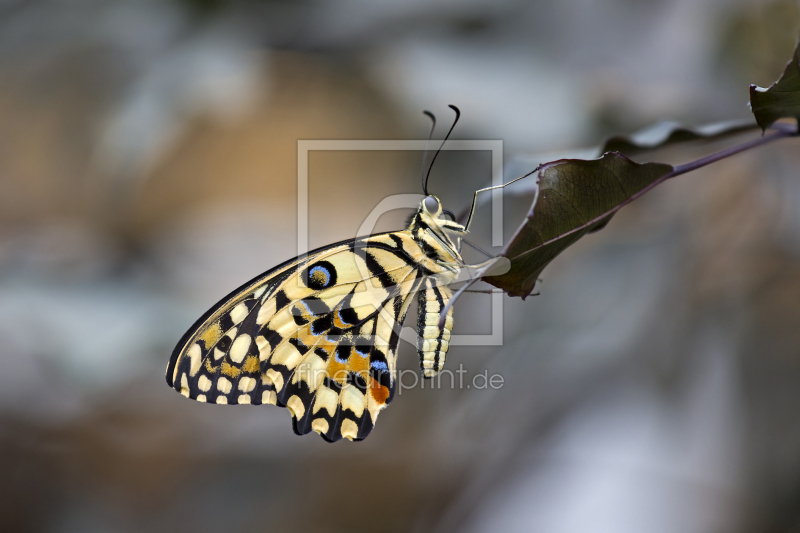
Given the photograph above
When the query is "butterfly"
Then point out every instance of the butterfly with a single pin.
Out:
(319, 333)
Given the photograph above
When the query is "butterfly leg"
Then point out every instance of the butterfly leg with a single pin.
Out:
(492, 267)
(475, 196)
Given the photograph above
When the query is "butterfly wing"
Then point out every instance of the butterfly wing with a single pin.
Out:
(318, 335)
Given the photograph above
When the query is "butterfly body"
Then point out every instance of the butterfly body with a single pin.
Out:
(319, 334)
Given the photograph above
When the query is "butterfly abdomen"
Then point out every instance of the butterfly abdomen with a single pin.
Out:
(432, 342)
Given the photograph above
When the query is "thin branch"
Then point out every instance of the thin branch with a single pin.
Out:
(476, 247)
(782, 130)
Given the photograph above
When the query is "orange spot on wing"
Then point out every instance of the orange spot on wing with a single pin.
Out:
(229, 370)
(251, 365)
(319, 277)
(358, 364)
(337, 371)
(304, 335)
(378, 391)
(211, 335)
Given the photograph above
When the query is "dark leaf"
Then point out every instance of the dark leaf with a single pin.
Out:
(575, 197)
(781, 99)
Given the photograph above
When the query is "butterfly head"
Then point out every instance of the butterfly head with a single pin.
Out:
(434, 225)
(431, 215)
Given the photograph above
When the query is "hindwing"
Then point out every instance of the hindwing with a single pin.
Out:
(317, 334)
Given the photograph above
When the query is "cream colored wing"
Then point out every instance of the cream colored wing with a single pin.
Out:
(317, 335)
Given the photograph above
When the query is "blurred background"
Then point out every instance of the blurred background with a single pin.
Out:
(148, 166)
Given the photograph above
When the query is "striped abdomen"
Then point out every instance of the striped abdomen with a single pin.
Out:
(432, 342)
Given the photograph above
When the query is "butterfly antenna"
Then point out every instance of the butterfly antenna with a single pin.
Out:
(476, 247)
(425, 155)
(458, 115)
